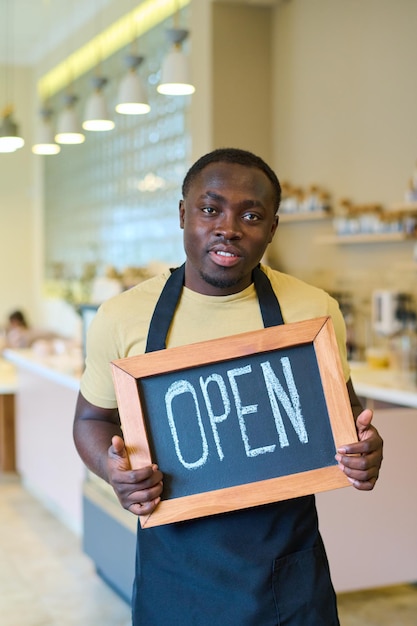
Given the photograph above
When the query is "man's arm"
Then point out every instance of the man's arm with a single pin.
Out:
(361, 461)
(99, 442)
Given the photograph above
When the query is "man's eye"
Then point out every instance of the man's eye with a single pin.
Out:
(251, 217)
(209, 209)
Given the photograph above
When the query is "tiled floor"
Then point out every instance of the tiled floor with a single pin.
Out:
(389, 606)
(46, 580)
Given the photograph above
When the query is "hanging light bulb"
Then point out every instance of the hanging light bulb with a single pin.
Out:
(68, 126)
(10, 140)
(45, 140)
(132, 98)
(96, 115)
(175, 74)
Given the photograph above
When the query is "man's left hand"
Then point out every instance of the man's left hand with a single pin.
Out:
(361, 461)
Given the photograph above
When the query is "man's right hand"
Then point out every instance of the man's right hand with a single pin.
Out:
(138, 490)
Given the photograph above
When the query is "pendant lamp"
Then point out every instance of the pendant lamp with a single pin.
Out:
(132, 98)
(175, 74)
(68, 127)
(45, 140)
(10, 140)
(96, 115)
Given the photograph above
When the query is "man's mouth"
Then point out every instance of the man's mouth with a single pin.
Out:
(224, 258)
(227, 254)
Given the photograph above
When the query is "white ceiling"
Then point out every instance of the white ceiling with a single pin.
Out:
(29, 29)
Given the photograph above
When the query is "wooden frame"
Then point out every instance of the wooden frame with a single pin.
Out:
(130, 371)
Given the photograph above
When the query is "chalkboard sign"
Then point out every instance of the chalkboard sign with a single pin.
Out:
(239, 421)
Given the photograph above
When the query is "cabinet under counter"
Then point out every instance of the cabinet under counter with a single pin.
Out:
(46, 458)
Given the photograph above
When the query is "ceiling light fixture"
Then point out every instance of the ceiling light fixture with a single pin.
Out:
(68, 129)
(132, 98)
(96, 116)
(175, 74)
(45, 140)
(10, 140)
(45, 143)
(68, 126)
(146, 15)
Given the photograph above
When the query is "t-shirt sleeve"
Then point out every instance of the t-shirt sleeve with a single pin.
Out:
(340, 331)
(101, 348)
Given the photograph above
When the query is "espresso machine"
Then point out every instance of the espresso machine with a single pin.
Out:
(386, 319)
(394, 317)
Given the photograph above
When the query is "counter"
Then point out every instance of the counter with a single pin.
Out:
(8, 387)
(52, 471)
(8, 378)
(46, 459)
(371, 537)
(62, 369)
(385, 385)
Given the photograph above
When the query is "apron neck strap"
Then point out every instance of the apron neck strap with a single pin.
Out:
(165, 307)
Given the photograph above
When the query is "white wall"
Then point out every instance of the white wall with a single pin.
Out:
(17, 216)
(345, 93)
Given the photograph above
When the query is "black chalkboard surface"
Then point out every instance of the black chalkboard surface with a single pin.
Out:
(265, 409)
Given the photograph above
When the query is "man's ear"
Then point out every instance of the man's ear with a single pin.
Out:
(182, 213)
(274, 228)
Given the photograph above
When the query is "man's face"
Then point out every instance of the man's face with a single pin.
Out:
(228, 218)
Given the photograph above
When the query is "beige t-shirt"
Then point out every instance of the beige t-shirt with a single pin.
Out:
(121, 325)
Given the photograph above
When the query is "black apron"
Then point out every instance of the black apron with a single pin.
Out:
(264, 566)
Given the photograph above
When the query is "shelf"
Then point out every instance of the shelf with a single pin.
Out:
(304, 216)
(365, 238)
(404, 207)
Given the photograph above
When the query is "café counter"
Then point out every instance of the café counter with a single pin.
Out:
(51, 470)
(8, 386)
(380, 386)
(46, 459)
(371, 537)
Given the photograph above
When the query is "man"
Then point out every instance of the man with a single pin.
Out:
(256, 567)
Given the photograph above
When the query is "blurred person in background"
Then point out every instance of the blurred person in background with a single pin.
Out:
(17, 334)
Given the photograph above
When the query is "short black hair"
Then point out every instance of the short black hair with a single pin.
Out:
(232, 155)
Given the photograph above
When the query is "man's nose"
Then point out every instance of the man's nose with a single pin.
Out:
(228, 226)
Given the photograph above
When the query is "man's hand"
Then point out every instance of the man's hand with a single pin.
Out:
(138, 490)
(361, 461)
